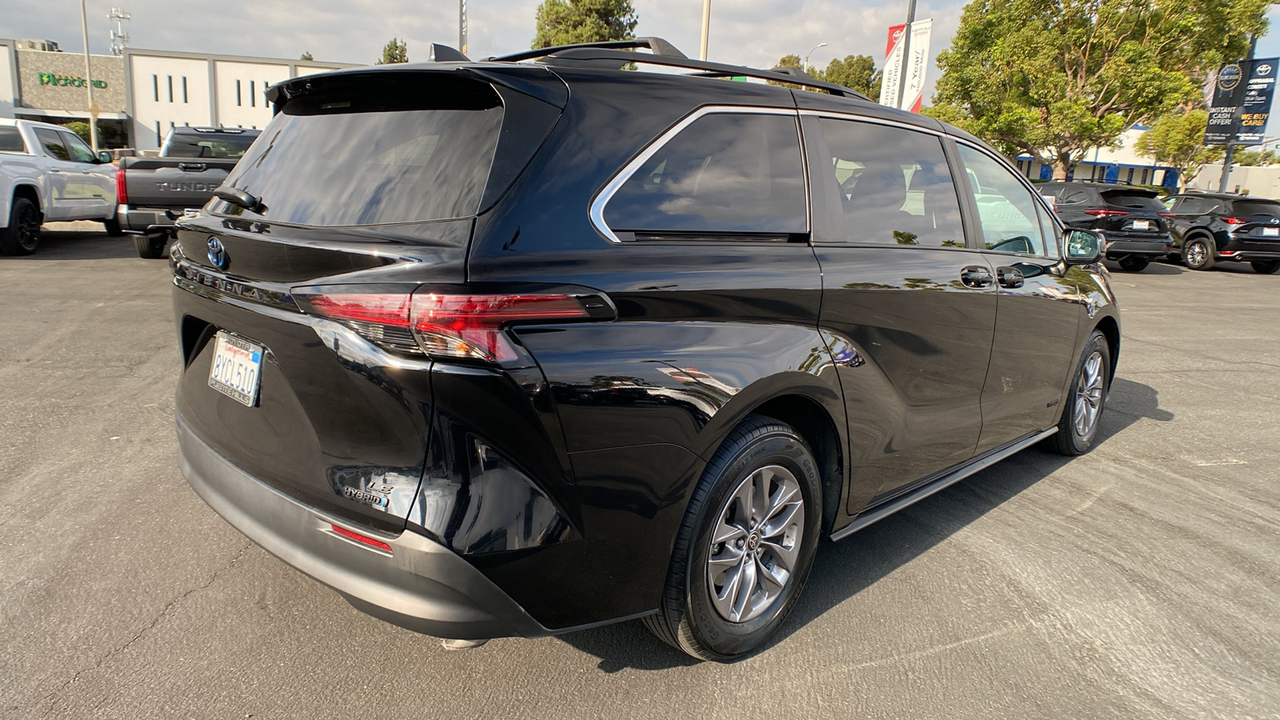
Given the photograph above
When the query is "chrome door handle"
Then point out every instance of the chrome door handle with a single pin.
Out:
(975, 276)
(1009, 277)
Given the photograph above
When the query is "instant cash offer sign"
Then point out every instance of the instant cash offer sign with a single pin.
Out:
(1241, 102)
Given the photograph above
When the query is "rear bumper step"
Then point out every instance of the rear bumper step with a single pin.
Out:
(420, 585)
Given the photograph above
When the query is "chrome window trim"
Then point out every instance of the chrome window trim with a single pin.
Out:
(606, 193)
(878, 121)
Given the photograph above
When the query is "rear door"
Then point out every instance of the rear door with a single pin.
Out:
(62, 201)
(902, 288)
(1039, 311)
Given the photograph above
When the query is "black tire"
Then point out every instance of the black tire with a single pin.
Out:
(1265, 267)
(1069, 440)
(22, 236)
(688, 619)
(1134, 264)
(151, 247)
(112, 227)
(1197, 253)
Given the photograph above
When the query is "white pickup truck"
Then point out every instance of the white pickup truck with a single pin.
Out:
(47, 173)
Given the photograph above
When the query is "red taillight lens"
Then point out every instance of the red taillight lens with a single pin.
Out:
(443, 325)
(1235, 220)
(122, 195)
(1166, 214)
(362, 539)
(1099, 212)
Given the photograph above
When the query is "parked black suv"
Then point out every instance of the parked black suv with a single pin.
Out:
(504, 348)
(1132, 220)
(1212, 227)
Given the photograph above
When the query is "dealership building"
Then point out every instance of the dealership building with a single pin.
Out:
(141, 94)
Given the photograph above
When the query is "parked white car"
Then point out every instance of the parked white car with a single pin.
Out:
(47, 173)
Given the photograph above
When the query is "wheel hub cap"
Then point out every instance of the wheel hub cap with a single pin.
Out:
(755, 544)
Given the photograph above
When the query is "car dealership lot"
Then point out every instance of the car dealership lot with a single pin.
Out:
(1140, 580)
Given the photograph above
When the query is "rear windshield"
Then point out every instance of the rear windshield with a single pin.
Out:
(373, 152)
(210, 146)
(11, 140)
(1133, 199)
(1256, 207)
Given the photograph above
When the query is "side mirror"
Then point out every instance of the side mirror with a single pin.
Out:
(1083, 247)
(104, 157)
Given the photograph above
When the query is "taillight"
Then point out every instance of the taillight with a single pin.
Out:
(1235, 220)
(1166, 214)
(443, 325)
(1099, 212)
(122, 195)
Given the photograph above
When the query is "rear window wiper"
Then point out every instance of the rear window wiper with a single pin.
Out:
(236, 196)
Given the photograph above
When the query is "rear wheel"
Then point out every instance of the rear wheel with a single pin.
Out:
(150, 246)
(1078, 425)
(746, 545)
(23, 234)
(1134, 264)
(1198, 253)
(1265, 267)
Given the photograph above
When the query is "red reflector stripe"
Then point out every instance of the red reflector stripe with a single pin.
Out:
(1102, 213)
(361, 538)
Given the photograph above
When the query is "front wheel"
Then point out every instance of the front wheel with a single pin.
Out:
(1134, 264)
(746, 544)
(1078, 426)
(1265, 267)
(1198, 254)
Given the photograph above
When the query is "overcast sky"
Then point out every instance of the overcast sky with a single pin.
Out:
(748, 32)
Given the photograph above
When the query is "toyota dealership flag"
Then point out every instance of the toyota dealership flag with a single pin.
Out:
(890, 79)
(916, 65)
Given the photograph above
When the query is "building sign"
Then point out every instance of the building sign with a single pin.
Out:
(1241, 102)
(47, 78)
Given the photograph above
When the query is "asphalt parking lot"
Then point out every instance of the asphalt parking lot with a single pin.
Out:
(1140, 581)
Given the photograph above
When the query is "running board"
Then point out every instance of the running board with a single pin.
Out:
(881, 512)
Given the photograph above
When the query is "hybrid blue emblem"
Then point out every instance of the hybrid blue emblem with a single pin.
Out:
(218, 254)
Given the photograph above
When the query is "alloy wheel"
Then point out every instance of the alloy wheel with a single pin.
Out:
(1088, 400)
(28, 229)
(755, 544)
(1196, 253)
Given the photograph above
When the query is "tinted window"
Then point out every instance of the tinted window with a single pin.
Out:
(1133, 199)
(364, 154)
(725, 173)
(893, 185)
(1006, 208)
(11, 140)
(79, 151)
(1256, 207)
(1077, 196)
(1194, 206)
(52, 144)
(215, 146)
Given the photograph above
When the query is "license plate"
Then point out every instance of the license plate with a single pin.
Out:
(1141, 224)
(1271, 232)
(236, 368)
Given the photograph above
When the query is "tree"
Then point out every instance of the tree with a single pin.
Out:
(307, 56)
(566, 22)
(1056, 78)
(1249, 158)
(395, 51)
(856, 72)
(1177, 140)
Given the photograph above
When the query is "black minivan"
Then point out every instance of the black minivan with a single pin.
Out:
(511, 348)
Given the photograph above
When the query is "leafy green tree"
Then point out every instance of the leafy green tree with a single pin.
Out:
(1056, 78)
(307, 56)
(1250, 158)
(1177, 140)
(395, 51)
(856, 72)
(566, 22)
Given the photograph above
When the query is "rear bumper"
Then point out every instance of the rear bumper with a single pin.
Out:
(147, 221)
(1120, 246)
(1249, 249)
(420, 585)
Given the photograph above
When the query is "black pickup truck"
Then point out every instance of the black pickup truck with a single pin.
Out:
(153, 192)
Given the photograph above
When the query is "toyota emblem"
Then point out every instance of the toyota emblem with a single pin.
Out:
(218, 254)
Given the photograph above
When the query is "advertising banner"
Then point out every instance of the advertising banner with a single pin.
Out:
(1241, 102)
(891, 78)
(917, 63)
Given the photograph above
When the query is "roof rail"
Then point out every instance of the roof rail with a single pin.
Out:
(610, 55)
(656, 45)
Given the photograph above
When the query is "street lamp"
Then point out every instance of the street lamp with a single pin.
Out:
(806, 55)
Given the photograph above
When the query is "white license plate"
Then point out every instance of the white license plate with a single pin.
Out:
(236, 368)
(1141, 224)
(1271, 232)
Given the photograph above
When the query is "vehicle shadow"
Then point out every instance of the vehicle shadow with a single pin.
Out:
(1161, 268)
(843, 569)
(59, 244)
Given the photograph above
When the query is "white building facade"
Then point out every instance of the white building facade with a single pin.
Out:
(167, 89)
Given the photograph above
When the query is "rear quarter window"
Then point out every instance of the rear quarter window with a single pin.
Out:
(11, 140)
(1256, 207)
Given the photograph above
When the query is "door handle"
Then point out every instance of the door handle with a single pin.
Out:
(975, 276)
(1009, 277)
(54, 170)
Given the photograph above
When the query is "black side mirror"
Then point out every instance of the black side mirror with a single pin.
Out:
(104, 157)
(1083, 247)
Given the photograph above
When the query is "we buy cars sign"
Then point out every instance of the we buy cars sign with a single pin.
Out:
(1240, 102)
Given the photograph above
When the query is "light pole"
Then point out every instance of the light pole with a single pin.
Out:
(88, 82)
(706, 28)
(806, 55)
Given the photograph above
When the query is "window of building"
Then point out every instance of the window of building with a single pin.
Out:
(1130, 178)
(238, 98)
(253, 95)
(886, 185)
(155, 87)
(725, 174)
(158, 137)
(1006, 208)
(184, 88)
